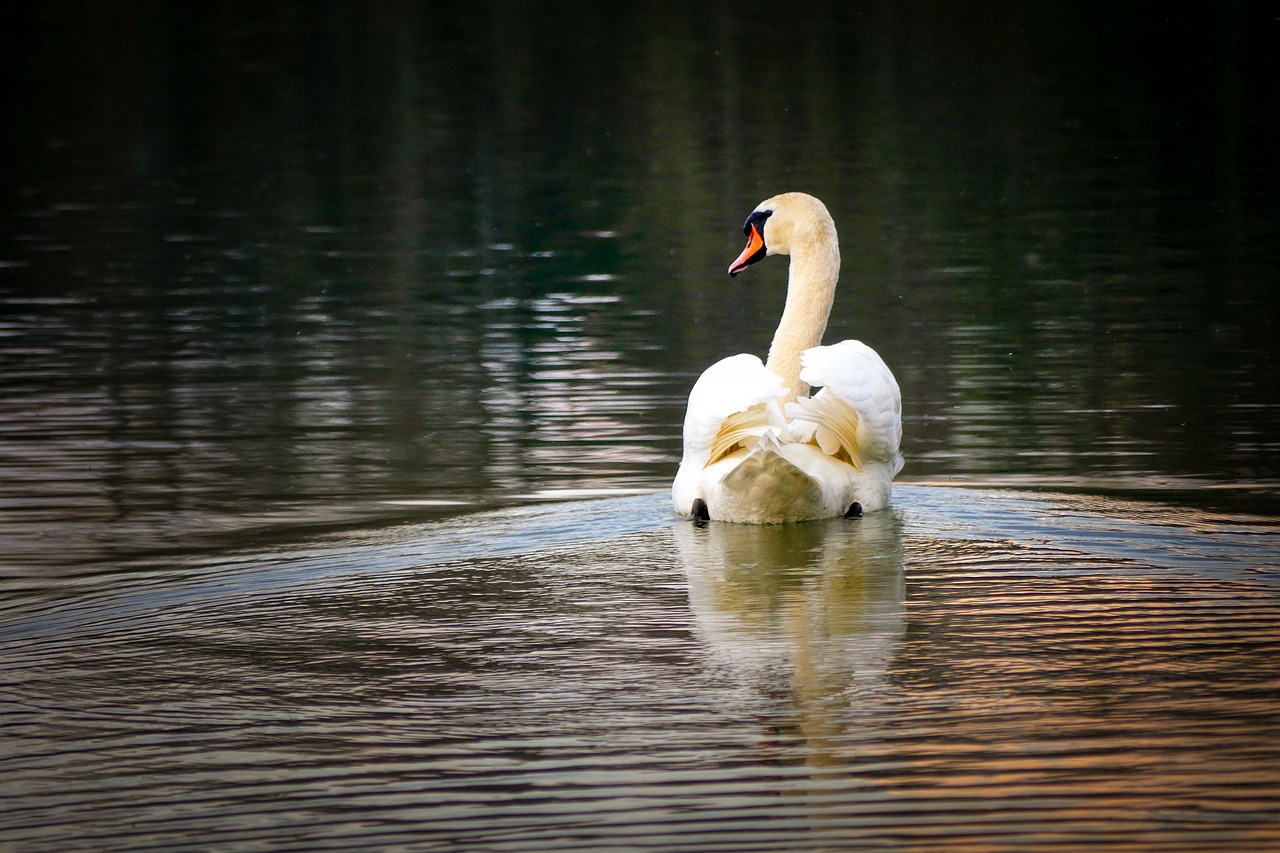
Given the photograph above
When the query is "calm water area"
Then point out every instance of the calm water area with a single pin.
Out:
(343, 356)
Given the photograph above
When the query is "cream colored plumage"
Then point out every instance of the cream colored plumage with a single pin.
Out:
(757, 447)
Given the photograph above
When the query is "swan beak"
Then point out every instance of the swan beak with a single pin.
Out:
(754, 251)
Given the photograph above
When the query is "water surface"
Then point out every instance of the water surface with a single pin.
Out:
(343, 354)
(969, 669)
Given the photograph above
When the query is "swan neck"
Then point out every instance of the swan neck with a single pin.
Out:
(811, 287)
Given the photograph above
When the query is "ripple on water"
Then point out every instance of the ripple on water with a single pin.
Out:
(971, 669)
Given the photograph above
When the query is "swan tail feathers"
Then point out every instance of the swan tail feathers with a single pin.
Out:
(766, 485)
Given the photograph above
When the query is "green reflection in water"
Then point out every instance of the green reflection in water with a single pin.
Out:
(314, 257)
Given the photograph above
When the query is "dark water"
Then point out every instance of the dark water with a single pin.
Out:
(313, 319)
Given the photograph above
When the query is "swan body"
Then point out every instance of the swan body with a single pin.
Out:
(757, 447)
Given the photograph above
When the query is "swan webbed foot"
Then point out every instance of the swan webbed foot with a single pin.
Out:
(854, 510)
(701, 514)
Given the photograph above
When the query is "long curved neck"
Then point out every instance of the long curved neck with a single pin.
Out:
(811, 288)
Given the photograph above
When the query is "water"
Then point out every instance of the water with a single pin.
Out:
(595, 675)
(342, 361)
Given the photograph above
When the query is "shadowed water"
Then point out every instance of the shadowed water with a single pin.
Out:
(343, 357)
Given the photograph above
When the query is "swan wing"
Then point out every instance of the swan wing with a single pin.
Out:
(858, 412)
(731, 404)
(730, 398)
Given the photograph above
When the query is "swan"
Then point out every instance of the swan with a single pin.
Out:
(757, 447)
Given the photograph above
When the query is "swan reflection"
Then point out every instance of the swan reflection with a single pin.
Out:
(809, 613)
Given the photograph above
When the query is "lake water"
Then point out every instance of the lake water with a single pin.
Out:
(343, 355)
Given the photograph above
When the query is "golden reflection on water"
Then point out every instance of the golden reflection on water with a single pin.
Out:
(1086, 661)
(1092, 690)
(968, 670)
(810, 613)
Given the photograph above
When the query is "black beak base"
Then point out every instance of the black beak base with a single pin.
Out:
(756, 249)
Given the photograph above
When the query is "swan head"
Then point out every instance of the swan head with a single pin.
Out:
(780, 223)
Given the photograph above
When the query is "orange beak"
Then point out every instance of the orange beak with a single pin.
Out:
(751, 254)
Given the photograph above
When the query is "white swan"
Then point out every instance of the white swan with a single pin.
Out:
(757, 447)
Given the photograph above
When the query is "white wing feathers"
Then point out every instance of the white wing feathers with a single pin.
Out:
(734, 398)
(859, 408)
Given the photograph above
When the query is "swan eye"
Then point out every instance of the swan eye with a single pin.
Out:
(757, 219)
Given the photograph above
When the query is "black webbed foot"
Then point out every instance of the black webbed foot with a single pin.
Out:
(701, 515)
(854, 510)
